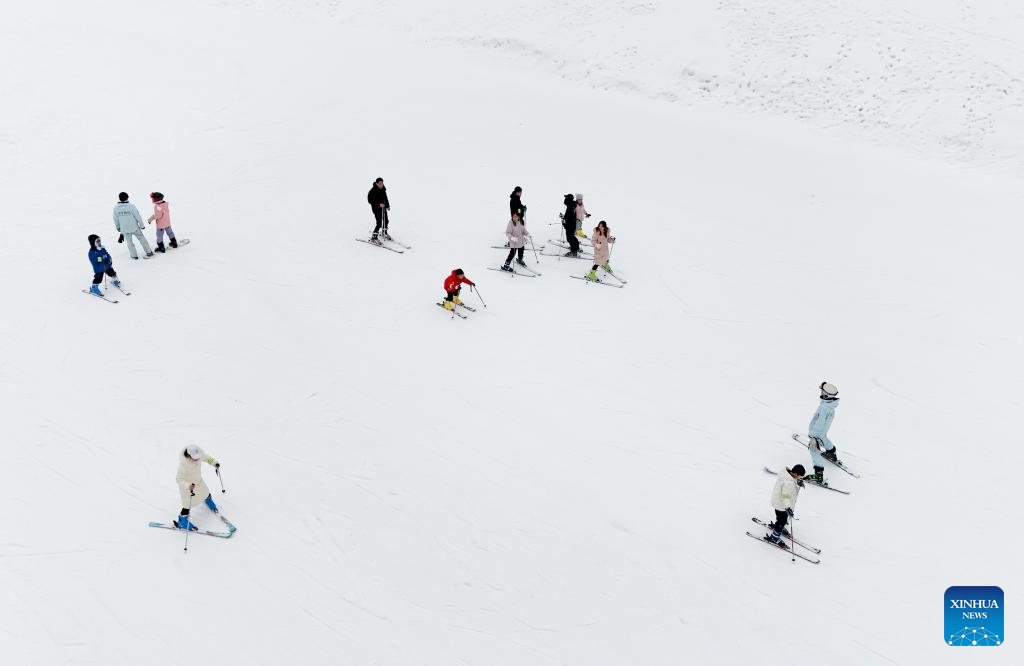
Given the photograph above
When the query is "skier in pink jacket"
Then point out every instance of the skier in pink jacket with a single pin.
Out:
(601, 240)
(162, 216)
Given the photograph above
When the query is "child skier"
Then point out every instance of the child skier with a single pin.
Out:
(516, 234)
(821, 447)
(581, 214)
(377, 197)
(101, 264)
(453, 286)
(569, 225)
(191, 484)
(784, 494)
(162, 216)
(129, 224)
(600, 240)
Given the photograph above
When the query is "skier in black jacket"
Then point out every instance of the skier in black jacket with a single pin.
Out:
(515, 204)
(569, 224)
(377, 197)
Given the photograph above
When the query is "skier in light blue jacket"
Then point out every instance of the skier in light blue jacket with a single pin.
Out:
(821, 447)
(129, 224)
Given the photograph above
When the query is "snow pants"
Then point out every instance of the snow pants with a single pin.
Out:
(452, 294)
(160, 234)
(512, 253)
(780, 522)
(98, 277)
(815, 454)
(570, 236)
(139, 236)
(381, 216)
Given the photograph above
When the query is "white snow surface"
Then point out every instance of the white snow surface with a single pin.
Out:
(801, 191)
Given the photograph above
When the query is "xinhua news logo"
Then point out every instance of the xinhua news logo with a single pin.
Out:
(974, 616)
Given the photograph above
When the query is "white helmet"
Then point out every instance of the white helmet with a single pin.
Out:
(828, 390)
(193, 452)
(579, 197)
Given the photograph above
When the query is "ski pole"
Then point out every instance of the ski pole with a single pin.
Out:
(221, 480)
(534, 247)
(792, 540)
(476, 290)
(188, 517)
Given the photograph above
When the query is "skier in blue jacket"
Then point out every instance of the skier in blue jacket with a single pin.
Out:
(821, 447)
(101, 264)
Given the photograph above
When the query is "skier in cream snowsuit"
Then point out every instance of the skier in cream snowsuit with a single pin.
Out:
(190, 480)
(821, 447)
(129, 224)
(784, 495)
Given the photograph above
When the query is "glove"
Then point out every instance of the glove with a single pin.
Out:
(800, 483)
(120, 239)
(216, 466)
(789, 512)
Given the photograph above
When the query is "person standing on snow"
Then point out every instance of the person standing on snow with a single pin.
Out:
(569, 224)
(377, 197)
(453, 287)
(601, 240)
(101, 264)
(784, 494)
(516, 234)
(821, 447)
(129, 224)
(515, 203)
(581, 214)
(191, 484)
(162, 216)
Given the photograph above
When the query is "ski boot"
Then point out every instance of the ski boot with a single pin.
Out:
(387, 236)
(520, 262)
(592, 275)
(210, 505)
(775, 537)
(570, 253)
(457, 300)
(174, 242)
(183, 523)
(375, 240)
(507, 267)
(579, 232)
(607, 266)
(95, 290)
(448, 305)
(117, 283)
(149, 254)
(830, 455)
(817, 477)
(160, 247)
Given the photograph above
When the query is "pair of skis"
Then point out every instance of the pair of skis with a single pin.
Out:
(455, 310)
(620, 282)
(381, 244)
(784, 546)
(222, 535)
(523, 271)
(837, 463)
(107, 298)
(812, 482)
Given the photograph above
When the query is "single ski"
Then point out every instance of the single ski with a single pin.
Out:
(121, 289)
(506, 247)
(785, 533)
(528, 269)
(465, 307)
(108, 300)
(784, 549)
(455, 313)
(183, 241)
(400, 243)
(826, 486)
(380, 245)
(589, 281)
(612, 274)
(840, 465)
(565, 256)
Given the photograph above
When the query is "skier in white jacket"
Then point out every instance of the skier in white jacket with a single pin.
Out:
(787, 487)
(191, 484)
(129, 224)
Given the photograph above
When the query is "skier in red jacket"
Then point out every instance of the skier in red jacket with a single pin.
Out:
(452, 286)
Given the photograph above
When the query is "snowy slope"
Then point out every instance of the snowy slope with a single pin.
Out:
(565, 478)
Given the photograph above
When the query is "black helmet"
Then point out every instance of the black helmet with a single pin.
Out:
(156, 196)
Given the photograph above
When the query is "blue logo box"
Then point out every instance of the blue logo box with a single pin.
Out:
(974, 616)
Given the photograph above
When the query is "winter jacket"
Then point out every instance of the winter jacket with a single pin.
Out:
(127, 219)
(189, 472)
(785, 492)
(515, 205)
(377, 196)
(569, 219)
(516, 234)
(98, 256)
(601, 249)
(822, 418)
(162, 213)
(581, 211)
(453, 282)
